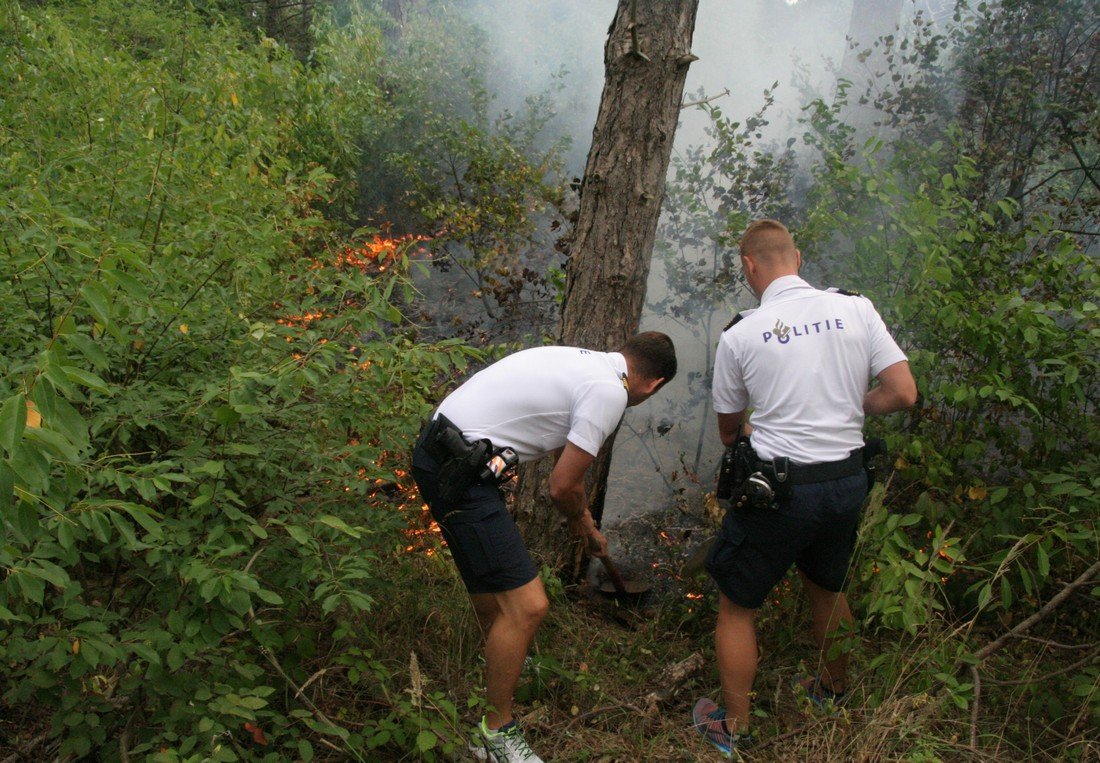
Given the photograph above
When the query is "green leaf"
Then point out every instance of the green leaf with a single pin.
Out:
(175, 658)
(226, 416)
(32, 588)
(213, 468)
(7, 614)
(300, 534)
(252, 703)
(269, 597)
(99, 302)
(127, 283)
(338, 524)
(126, 531)
(1043, 561)
(86, 378)
(144, 516)
(425, 740)
(7, 487)
(50, 572)
(55, 441)
(90, 349)
(59, 415)
(13, 419)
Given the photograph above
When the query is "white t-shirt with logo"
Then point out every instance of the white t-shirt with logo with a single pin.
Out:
(802, 361)
(534, 400)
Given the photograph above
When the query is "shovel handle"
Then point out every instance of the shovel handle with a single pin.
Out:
(609, 566)
(616, 578)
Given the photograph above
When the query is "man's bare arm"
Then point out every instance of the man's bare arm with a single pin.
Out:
(568, 496)
(729, 426)
(896, 390)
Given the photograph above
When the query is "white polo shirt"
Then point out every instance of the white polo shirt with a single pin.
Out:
(534, 400)
(802, 362)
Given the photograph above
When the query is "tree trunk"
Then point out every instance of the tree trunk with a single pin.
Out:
(646, 60)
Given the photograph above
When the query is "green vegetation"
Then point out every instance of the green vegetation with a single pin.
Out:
(214, 361)
(969, 219)
(207, 387)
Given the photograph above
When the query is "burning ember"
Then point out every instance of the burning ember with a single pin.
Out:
(373, 256)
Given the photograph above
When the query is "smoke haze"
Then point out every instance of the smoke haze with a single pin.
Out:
(744, 47)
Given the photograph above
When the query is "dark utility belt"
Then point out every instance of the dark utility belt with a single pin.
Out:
(804, 474)
(463, 464)
(745, 480)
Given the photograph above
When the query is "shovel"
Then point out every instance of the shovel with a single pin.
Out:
(616, 585)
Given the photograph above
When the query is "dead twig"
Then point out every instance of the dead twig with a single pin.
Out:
(765, 743)
(24, 753)
(671, 681)
(1045, 610)
(977, 678)
(320, 716)
(600, 711)
(1018, 632)
(1053, 644)
(1067, 669)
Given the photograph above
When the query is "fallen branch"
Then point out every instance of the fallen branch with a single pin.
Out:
(1018, 632)
(1045, 610)
(1067, 669)
(768, 742)
(24, 753)
(320, 716)
(1054, 644)
(600, 711)
(671, 681)
(977, 678)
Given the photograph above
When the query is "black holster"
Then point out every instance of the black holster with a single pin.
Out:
(460, 462)
(735, 468)
(875, 446)
(746, 481)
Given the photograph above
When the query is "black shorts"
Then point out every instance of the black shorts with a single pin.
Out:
(481, 534)
(815, 528)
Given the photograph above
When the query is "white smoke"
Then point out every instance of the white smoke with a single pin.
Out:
(744, 47)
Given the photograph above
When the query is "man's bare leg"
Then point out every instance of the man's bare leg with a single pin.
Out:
(509, 620)
(830, 611)
(735, 645)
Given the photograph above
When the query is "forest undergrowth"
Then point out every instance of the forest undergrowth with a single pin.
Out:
(585, 693)
(222, 247)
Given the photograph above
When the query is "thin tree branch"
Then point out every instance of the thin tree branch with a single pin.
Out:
(1067, 669)
(976, 677)
(689, 104)
(1045, 610)
(1054, 644)
(1073, 147)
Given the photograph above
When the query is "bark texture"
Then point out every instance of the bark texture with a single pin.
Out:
(646, 60)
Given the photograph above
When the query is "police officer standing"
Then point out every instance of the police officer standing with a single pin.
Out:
(801, 363)
(564, 401)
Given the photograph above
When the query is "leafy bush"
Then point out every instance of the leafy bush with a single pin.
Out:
(204, 395)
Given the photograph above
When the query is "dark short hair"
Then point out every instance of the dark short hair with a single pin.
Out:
(652, 355)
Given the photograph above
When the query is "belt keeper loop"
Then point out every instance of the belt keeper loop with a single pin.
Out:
(781, 467)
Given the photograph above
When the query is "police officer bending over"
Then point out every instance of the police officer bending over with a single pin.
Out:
(802, 362)
(560, 400)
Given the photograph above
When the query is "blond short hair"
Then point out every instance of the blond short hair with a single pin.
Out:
(768, 240)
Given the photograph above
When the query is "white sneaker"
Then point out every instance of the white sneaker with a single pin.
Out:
(505, 745)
